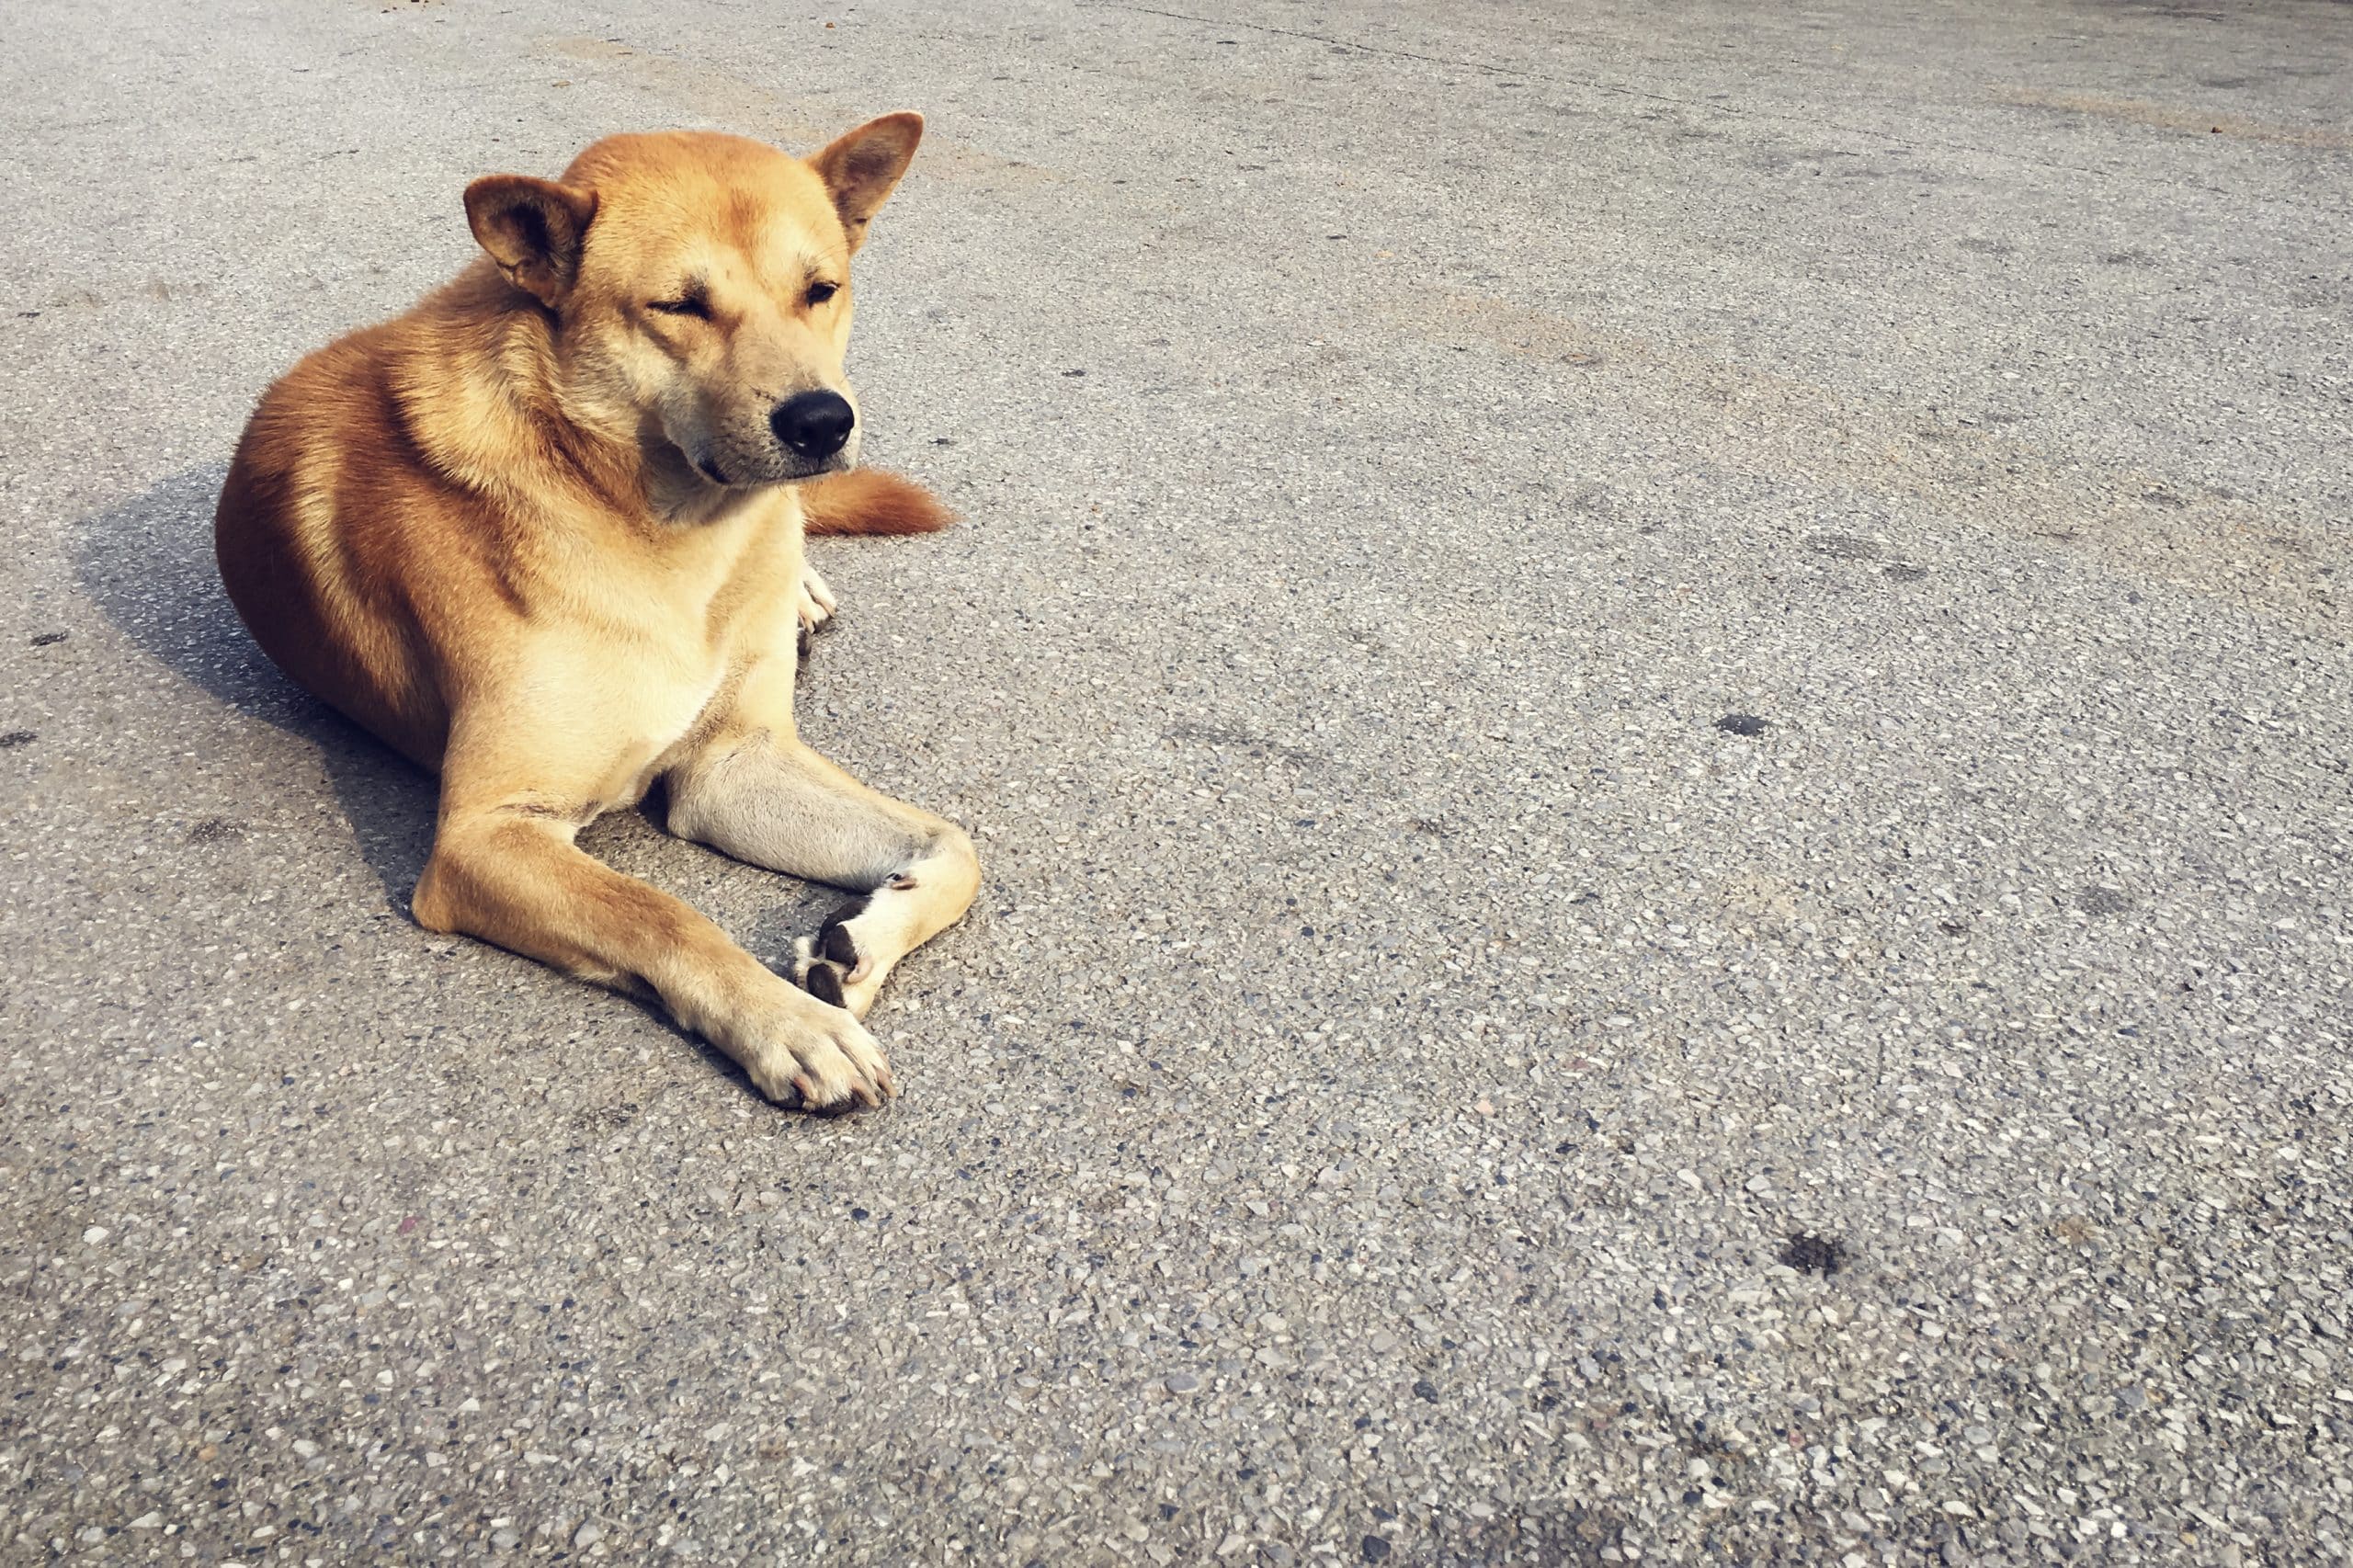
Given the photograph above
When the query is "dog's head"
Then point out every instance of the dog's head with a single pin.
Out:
(701, 288)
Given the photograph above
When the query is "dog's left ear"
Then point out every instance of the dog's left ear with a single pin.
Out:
(862, 167)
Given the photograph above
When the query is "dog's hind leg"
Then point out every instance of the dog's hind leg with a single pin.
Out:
(767, 799)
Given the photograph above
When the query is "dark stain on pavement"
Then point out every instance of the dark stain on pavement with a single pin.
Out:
(1815, 1254)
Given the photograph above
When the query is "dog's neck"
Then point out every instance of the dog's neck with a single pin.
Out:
(517, 400)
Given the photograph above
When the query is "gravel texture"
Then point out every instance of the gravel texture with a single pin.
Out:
(1658, 711)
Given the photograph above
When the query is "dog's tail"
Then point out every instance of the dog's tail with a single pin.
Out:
(870, 501)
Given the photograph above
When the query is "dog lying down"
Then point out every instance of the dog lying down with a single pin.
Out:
(543, 534)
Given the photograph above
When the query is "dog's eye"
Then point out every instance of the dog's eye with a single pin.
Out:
(690, 305)
(821, 292)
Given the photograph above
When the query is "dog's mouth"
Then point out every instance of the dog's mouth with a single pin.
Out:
(757, 474)
(780, 474)
(838, 463)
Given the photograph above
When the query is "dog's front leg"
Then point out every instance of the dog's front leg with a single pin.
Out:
(766, 798)
(510, 874)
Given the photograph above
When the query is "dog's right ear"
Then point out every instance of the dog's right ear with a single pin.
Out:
(534, 229)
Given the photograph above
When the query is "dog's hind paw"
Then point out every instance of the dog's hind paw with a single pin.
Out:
(817, 602)
(830, 980)
(859, 944)
(830, 966)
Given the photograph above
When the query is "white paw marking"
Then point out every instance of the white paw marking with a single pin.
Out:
(817, 602)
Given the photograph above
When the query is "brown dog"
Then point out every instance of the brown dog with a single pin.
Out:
(543, 534)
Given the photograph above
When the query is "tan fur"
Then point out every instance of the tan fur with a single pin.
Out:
(539, 535)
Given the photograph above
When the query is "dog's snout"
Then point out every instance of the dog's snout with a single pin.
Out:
(815, 425)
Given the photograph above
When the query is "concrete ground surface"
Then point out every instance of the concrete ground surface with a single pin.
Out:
(1658, 703)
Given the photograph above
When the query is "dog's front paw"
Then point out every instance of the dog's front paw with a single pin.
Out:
(816, 1054)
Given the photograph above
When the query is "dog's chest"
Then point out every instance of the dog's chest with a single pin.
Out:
(692, 629)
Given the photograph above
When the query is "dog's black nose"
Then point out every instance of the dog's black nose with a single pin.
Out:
(814, 424)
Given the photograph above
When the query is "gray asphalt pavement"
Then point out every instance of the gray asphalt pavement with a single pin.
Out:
(1657, 701)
